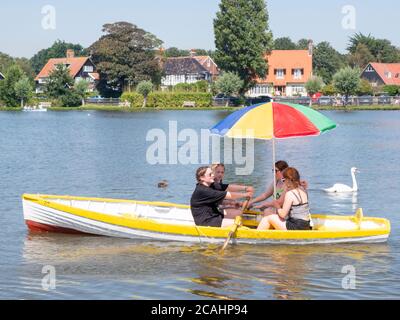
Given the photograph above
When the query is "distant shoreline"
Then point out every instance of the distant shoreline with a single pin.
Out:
(128, 109)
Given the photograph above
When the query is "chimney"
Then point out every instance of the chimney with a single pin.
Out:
(310, 48)
(70, 53)
(192, 52)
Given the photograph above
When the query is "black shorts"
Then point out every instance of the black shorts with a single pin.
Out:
(210, 222)
(297, 224)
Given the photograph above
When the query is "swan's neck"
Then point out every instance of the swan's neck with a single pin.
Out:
(355, 185)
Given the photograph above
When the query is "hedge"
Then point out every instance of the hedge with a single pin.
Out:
(134, 98)
(168, 99)
(177, 99)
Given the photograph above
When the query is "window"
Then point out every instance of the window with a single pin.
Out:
(280, 73)
(297, 89)
(369, 69)
(388, 74)
(260, 89)
(297, 73)
(88, 68)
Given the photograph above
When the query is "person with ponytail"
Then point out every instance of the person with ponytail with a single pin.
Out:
(295, 212)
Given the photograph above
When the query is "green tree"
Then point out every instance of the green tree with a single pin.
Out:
(144, 88)
(361, 57)
(302, 44)
(364, 88)
(347, 81)
(70, 99)
(125, 55)
(229, 83)
(242, 39)
(381, 49)
(7, 86)
(59, 82)
(7, 61)
(81, 88)
(314, 85)
(26, 67)
(329, 90)
(57, 50)
(284, 43)
(23, 90)
(203, 52)
(202, 86)
(175, 52)
(391, 89)
(327, 61)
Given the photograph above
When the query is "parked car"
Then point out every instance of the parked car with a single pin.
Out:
(257, 100)
(95, 99)
(325, 101)
(384, 100)
(364, 100)
(221, 100)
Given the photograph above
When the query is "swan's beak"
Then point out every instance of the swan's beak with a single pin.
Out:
(358, 171)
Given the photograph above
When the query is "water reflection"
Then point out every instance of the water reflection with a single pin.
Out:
(341, 200)
(200, 271)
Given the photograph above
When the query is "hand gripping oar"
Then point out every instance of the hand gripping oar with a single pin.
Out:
(238, 222)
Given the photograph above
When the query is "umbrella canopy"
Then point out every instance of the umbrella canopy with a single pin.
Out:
(274, 120)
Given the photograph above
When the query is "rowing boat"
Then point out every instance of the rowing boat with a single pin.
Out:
(174, 222)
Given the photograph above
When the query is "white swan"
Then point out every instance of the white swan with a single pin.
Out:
(342, 187)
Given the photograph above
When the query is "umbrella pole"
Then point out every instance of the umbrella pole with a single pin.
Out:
(273, 167)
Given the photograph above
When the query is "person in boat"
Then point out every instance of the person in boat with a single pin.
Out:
(270, 207)
(295, 213)
(280, 166)
(231, 208)
(205, 201)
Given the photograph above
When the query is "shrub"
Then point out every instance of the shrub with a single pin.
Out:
(70, 99)
(134, 98)
(183, 87)
(144, 88)
(199, 86)
(329, 90)
(391, 90)
(202, 86)
(176, 99)
(314, 85)
(365, 88)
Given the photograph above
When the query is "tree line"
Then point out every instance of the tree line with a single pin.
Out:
(126, 55)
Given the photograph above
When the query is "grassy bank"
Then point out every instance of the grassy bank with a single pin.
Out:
(10, 109)
(359, 108)
(126, 109)
(92, 107)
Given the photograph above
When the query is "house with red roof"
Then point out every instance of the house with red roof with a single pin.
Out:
(379, 74)
(80, 68)
(189, 69)
(288, 71)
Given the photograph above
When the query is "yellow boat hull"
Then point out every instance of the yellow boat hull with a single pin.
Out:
(173, 222)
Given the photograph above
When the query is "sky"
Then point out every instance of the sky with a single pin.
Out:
(27, 26)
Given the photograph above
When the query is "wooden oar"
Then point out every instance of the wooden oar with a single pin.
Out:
(238, 222)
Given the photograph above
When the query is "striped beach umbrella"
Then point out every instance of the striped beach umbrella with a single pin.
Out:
(273, 120)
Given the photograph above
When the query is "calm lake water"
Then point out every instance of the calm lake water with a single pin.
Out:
(104, 155)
